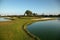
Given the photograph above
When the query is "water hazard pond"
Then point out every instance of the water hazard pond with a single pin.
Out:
(4, 19)
(46, 30)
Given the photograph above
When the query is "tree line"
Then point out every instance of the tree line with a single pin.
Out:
(29, 13)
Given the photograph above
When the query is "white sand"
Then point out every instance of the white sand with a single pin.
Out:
(42, 19)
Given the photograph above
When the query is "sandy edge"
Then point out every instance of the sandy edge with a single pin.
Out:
(34, 20)
(43, 19)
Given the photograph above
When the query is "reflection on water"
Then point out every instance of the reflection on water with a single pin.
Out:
(3, 19)
(58, 19)
(46, 30)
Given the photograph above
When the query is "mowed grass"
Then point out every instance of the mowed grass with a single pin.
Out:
(12, 30)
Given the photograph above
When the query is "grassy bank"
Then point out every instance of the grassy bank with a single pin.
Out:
(13, 30)
(27, 32)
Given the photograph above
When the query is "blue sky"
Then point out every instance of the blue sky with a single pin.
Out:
(18, 7)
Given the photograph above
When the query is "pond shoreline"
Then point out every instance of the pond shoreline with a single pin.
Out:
(24, 27)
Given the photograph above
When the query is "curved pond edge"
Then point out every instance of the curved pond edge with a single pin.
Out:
(28, 33)
(24, 27)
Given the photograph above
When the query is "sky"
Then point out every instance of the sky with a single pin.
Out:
(18, 7)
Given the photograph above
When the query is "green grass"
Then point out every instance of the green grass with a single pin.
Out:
(13, 30)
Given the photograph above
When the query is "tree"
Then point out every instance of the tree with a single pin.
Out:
(0, 15)
(28, 13)
(34, 14)
(58, 15)
(51, 15)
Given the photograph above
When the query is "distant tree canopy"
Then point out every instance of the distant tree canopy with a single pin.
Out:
(59, 15)
(28, 13)
(34, 14)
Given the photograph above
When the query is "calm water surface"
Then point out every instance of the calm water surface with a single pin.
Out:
(4, 19)
(46, 30)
